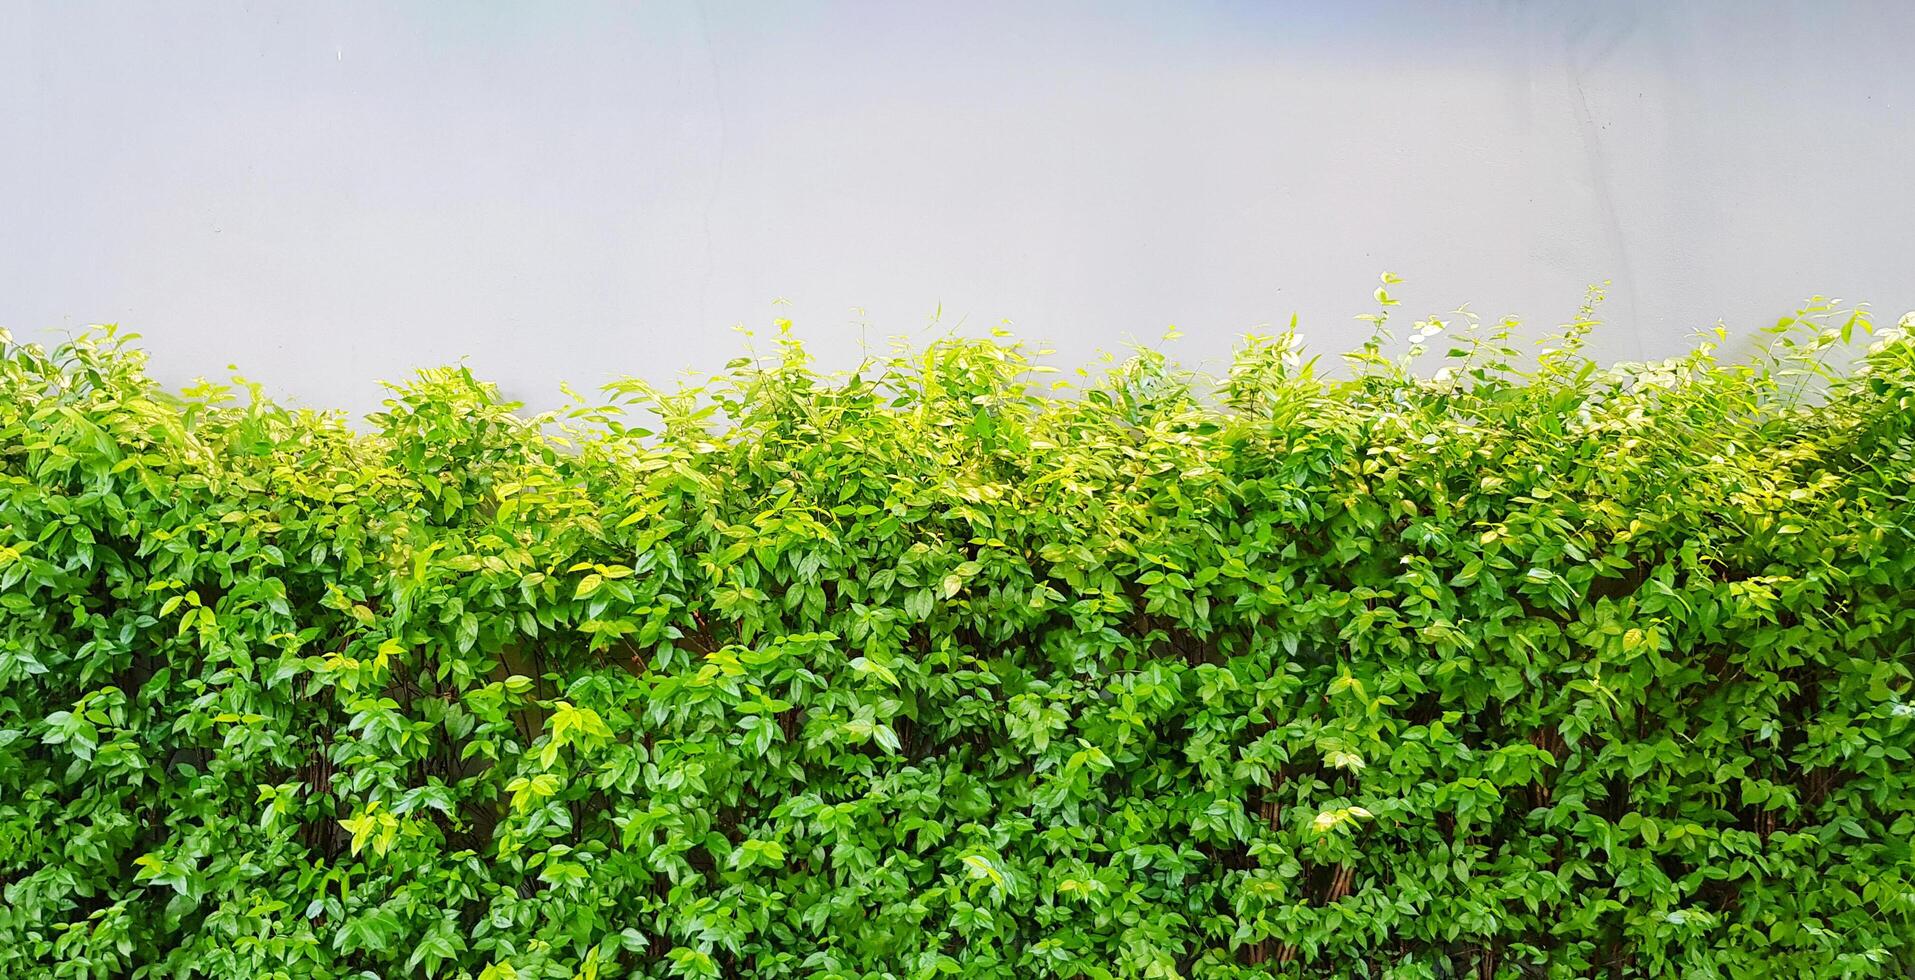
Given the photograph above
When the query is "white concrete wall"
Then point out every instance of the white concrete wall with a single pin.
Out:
(329, 194)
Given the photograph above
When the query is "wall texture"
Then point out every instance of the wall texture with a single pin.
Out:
(332, 194)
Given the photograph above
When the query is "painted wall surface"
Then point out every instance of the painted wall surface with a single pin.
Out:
(330, 194)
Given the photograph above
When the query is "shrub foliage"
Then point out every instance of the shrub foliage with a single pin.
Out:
(1528, 667)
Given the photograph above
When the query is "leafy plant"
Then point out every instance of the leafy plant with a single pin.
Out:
(1522, 667)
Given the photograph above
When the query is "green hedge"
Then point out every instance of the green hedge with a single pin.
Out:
(1524, 667)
